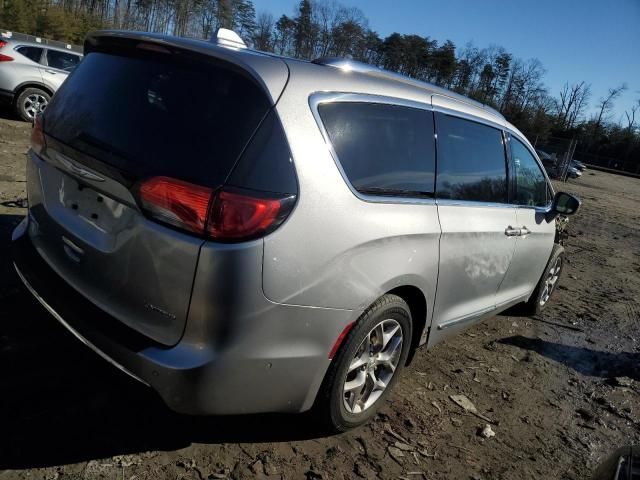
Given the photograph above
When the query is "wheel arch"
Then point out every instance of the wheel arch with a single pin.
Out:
(23, 86)
(417, 303)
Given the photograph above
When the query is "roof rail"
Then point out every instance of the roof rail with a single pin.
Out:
(349, 65)
(228, 38)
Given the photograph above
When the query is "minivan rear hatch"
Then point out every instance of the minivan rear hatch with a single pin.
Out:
(141, 112)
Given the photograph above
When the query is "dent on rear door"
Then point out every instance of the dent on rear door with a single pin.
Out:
(351, 262)
(475, 255)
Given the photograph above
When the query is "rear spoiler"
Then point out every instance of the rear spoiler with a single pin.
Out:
(270, 72)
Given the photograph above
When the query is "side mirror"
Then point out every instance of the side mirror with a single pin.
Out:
(565, 204)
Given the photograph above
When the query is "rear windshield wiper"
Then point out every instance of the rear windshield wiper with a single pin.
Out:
(94, 142)
(395, 192)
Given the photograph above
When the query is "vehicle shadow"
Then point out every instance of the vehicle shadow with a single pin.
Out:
(60, 403)
(7, 113)
(583, 360)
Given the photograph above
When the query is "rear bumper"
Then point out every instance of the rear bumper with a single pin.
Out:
(196, 377)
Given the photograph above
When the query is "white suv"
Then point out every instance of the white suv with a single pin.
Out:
(30, 73)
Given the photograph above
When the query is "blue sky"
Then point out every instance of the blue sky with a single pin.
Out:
(593, 40)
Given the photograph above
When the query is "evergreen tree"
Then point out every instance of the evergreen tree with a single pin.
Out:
(244, 16)
(304, 31)
(285, 32)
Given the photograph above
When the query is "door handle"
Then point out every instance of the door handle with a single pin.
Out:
(524, 231)
(512, 232)
(53, 72)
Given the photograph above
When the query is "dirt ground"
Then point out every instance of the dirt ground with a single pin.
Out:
(563, 388)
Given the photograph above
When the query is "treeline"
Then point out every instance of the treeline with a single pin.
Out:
(326, 28)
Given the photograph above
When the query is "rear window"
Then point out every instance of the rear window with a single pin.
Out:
(383, 149)
(152, 115)
(471, 161)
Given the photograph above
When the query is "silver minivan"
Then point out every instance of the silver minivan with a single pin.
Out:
(250, 233)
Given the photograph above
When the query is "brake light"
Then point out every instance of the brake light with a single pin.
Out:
(178, 203)
(235, 216)
(5, 58)
(228, 215)
(37, 134)
(2, 43)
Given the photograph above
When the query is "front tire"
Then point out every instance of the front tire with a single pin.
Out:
(546, 285)
(367, 365)
(31, 102)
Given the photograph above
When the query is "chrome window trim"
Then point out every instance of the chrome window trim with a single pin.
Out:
(446, 202)
(466, 116)
(546, 208)
(320, 98)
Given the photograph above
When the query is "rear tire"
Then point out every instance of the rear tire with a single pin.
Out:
(373, 354)
(546, 285)
(30, 102)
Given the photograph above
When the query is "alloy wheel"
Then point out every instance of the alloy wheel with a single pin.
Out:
(373, 366)
(34, 104)
(551, 281)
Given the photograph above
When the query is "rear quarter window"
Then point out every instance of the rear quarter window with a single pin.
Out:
(383, 149)
(32, 53)
(266, 164)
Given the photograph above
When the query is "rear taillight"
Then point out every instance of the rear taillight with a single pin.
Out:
(4, 58)
(37, 134)
(228, 215)
(236, 216)
(178, 203)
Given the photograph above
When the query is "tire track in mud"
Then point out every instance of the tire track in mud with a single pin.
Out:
(633, 312)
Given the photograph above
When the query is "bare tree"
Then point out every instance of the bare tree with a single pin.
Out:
(571, 104)
(470, 62)
(606, 104)
(262, 38)
(631, 116)
(327, 16)
(208, 17)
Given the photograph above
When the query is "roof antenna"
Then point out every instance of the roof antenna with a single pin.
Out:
(228, 38)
